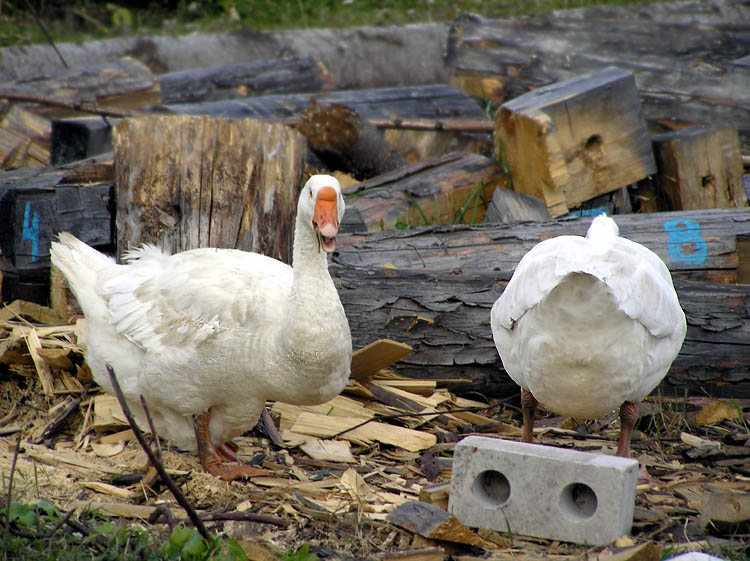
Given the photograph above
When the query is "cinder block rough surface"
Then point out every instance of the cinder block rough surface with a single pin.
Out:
(542, 491)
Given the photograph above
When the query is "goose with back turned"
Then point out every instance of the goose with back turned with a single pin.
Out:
(208, 335)
(587, 325)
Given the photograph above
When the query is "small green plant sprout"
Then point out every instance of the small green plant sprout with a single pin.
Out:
(301, 554)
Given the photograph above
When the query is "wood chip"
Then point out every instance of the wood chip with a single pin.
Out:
(107, 489)
(42, 368)
(378, 354)
(434, 523)
(324, 426)
(715, 412)
(328, 450)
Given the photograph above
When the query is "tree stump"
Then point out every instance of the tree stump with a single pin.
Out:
(188, 181)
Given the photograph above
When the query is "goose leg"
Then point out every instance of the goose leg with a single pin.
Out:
(228, 451)
(528, 408)
(214, 461)
(628, 417)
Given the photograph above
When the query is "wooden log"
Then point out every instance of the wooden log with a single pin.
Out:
(569, 142)
(418, 145)
(444, 317)
(700, 167)
(188, 181)
(346, 142)
(294, 74)
(420, 102)
(453, 188)
(700, 245)
(125, 83)
(24, 139)
(684, 56)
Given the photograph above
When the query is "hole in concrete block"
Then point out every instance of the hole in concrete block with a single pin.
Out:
(578, 501)
(491, 488)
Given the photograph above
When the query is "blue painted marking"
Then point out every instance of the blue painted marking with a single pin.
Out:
(588, 211)
(31, 230)
(685, 231)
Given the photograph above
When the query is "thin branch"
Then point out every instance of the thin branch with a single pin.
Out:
(44, 31)
(247, 517)
(55, 425)
(10, 482)
(179, 497)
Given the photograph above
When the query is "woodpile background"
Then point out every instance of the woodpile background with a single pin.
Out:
(460, 147)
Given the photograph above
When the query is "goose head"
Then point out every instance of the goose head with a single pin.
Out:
(321, 205)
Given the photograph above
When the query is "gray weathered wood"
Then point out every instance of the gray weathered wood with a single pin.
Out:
(507, 207)
(444, 316)
(423, 102)
(699, 245)
(229, 81)
(683, 55)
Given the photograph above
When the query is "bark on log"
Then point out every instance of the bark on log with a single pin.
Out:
(417, 102)
(230, 81)
(453, 188)
(185, 182)
(683, 56)
(445, 318)
(699, 245)
(125, 83)
(344, 141)
(358, 57)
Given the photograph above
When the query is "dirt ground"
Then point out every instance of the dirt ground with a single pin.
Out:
(336, 493)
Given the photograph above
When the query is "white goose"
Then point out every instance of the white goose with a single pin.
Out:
(208, 335)
(587, 325)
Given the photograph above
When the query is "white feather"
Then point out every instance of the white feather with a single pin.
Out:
(588, 323)
(216, 329)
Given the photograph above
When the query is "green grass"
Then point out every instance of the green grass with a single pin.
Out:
(80, 20)
(40, 532)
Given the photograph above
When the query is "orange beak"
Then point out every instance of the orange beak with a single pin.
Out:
(326, 218)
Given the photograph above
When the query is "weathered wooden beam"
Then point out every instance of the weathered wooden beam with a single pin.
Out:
(700, 167)
(444, 317)
(571, 141)
(294, 74)
(684, 55)
(700, 245)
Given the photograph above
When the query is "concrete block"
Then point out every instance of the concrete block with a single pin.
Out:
(542, 491)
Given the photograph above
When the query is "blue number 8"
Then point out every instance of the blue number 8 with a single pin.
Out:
(683, 231)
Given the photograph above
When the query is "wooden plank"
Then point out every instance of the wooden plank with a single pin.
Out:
(700, 167)
(174, 172)
(455, 187)
(324, 426)
(375, 356)
(685, 65)
(508, 206)
(24, 139)
(563, 146)
(457, 341)
(700, 245)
